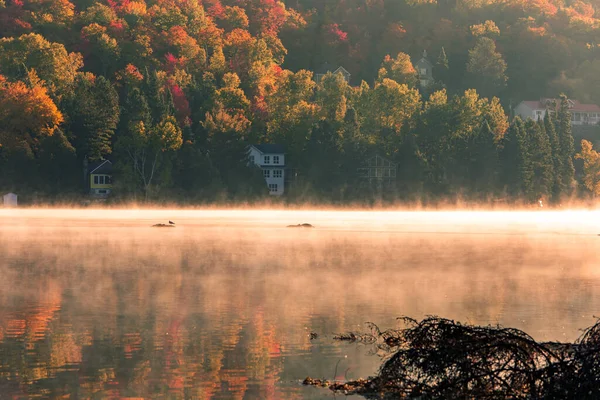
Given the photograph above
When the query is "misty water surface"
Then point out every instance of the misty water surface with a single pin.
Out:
(96, 304)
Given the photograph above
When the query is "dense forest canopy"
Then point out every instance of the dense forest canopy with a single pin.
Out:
(173, 91)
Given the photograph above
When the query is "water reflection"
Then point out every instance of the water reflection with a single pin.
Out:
(222, 308)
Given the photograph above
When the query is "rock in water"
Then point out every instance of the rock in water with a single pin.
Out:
(301, 226)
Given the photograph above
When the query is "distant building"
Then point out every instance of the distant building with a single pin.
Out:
(328, 68)
(425, 71)
(581, 114)
(10, 200)
(378, 169)
(100, 179)
(271, 160)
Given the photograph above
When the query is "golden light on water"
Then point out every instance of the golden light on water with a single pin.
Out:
(525, 222)
(236, 291)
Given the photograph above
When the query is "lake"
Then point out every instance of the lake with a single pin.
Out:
(97, 304)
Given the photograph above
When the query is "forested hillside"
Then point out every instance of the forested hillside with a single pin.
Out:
(172, 91)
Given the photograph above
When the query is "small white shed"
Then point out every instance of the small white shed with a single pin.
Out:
(10, 200)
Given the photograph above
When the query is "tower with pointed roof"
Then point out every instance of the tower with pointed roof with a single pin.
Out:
(424, 69)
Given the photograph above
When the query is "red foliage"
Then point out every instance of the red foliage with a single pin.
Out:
(172, 62)
(130, 74)
(116, 27)
(277, 70)
(182, 105)
(267, 16)
(335, 34)
(214, 8)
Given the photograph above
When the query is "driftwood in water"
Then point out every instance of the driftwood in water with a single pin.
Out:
(438, 358)
(301, 226)
(163, 226)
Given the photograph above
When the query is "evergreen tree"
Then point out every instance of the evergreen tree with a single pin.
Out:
(541, 160)
(94, 114)
(483, 161)
(442, 61)
(550, 128)
(517, 174)
(566, 148)
(160, 99)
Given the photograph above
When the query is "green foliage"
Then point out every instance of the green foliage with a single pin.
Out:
(566, 149)
(486, 67)
(93, 110)
(174, 93)
(540, 160)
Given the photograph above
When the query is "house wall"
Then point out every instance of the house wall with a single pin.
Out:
(100, 189)
(524, 111)
(577, 117)
(9, 200)
(258, 158)
(272, 180)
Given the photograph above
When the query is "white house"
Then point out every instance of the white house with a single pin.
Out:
(271, 159)
(581, 114)
(424, 70)
(10, 200)
(328, 68)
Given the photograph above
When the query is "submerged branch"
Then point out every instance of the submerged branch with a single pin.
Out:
(440, 358)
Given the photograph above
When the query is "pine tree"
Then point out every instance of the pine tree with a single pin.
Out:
(550, 128)
(442, 61)
(517, 174)
(566, 148)
(541, 160)
(484, 160)
(94, 114)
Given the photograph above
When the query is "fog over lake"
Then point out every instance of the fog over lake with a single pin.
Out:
(98, 304)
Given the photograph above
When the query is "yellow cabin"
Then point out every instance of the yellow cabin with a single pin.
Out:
(101, 179)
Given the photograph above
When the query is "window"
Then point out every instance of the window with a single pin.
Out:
(275, 159)
(95, 179)
(266, 173)
(108, 179)
(252, 159)
(423, 71)
(576, 117)
(538, 114)
(424, 82)
(272, 187)
(267, 159)
(277, 173)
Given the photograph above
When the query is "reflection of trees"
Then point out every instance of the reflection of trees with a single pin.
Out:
(91, 315)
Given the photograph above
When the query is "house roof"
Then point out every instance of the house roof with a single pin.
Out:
(270, 148)
(102, 167)
(575, 106)
(378, 161)
(325, 68)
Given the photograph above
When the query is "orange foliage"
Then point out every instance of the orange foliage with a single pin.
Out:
(238, 38)
(25, 112)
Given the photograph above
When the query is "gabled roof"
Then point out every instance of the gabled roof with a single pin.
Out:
(102, 167)
(341, 70)
(378, 161)
(574, 105)
(424, 61)
(325, 68)
(270, 148)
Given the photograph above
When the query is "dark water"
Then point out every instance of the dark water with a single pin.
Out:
(96, 304)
